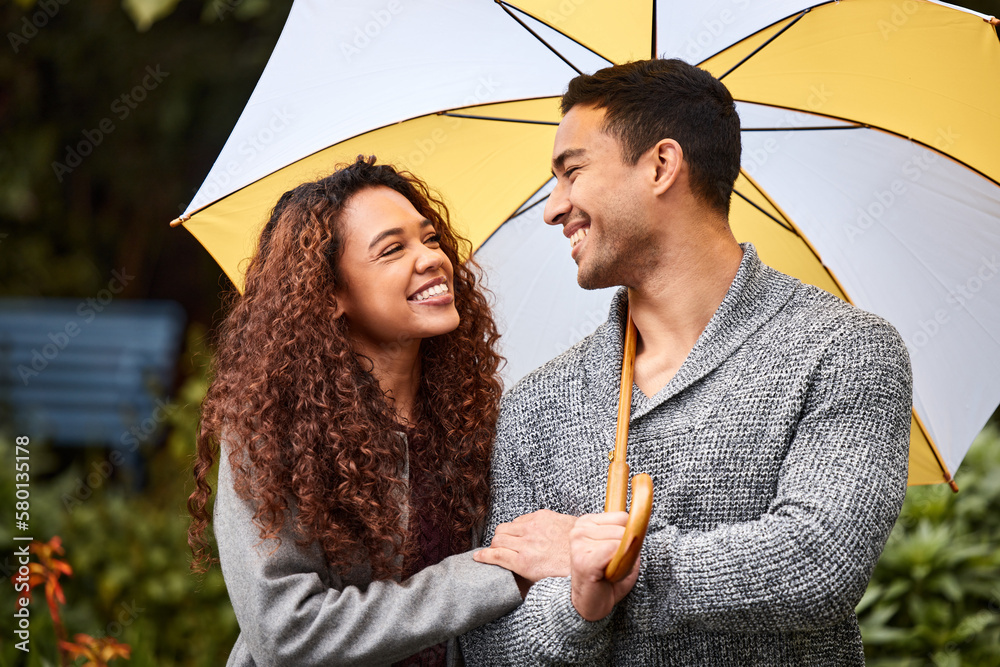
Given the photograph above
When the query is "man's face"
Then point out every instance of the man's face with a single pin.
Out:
(599, 201)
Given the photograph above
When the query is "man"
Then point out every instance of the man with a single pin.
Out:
(773, 417)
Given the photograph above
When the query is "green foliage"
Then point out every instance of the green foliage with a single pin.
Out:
(131, 578)
(97, 156)
(935, 596)
(146, 12)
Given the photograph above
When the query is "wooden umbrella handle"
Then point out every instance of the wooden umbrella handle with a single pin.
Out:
(635, 529)
(618, 472)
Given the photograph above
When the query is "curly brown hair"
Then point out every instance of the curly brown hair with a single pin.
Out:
(304, 419)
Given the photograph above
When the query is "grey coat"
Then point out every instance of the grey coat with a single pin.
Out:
(293, 610)
(779, 457)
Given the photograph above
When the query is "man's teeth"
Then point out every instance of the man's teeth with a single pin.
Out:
(429, 292)
(578, 236)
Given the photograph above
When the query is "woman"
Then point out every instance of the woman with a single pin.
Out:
(354, 399)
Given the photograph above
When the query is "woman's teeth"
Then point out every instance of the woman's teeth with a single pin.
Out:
(578, 236)
(429, 292)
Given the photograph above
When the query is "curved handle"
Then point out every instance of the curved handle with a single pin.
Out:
(635, 529)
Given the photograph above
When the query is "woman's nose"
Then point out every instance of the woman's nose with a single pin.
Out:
(429, 258)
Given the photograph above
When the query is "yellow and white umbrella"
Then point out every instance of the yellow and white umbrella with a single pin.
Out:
(871, 156)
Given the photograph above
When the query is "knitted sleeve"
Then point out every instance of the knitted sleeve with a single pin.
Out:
(546, 629)
(806, 562)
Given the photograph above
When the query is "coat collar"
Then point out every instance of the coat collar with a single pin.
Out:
(756, 294)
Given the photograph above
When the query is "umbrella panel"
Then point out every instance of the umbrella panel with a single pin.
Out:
(483, 168)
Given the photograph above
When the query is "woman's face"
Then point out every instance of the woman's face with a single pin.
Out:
(399, 284)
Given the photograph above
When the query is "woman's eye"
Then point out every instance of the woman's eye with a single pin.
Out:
(436, 238)
(392, 249)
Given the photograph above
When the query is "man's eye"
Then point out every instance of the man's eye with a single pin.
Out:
(569, 172)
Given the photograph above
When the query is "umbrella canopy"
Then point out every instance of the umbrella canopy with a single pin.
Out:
(870, 157)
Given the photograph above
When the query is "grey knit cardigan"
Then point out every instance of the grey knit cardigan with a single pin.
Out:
(293, 609)
(779, 459)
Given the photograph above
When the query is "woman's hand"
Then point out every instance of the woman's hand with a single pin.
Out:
(533, 546)
(594, 539)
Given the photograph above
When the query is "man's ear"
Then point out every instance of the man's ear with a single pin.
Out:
(668, 159)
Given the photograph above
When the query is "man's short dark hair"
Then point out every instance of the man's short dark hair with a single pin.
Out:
(650, 100)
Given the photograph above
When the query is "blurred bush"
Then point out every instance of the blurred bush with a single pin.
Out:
(934, 598)
(131, 579)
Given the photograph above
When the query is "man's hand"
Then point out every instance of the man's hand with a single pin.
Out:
(533, 546)
(593, 542)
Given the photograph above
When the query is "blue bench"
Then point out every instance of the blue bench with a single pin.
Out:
(86, 373)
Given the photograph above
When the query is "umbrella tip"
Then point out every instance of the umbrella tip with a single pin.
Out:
(992, 20)
(180, 221)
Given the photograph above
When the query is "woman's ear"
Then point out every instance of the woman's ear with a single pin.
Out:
(338, 307)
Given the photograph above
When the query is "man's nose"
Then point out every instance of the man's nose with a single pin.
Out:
(556, 207)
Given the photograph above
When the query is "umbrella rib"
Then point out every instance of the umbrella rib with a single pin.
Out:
(771, 39)
(518, 211)
(502, 120)
(800, 129)
(652, 48)
(571, 38)
(522, 211)
(861, 125)
(537, 36)
(757, 206)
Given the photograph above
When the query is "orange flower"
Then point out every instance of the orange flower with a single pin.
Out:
(47, 571)
(98, 652)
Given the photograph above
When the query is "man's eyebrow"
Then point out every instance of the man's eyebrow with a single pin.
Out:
(381, 236)
(557, 164)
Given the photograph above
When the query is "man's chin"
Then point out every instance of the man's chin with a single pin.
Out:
(590, 280)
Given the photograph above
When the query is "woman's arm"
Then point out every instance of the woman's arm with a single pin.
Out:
(288, 615)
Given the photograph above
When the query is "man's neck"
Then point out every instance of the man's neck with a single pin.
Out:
(672, 306)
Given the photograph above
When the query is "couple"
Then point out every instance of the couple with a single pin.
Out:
(358, 426)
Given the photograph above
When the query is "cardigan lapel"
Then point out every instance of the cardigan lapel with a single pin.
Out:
(757, 293)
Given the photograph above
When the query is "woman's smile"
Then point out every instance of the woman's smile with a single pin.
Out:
(433, 293)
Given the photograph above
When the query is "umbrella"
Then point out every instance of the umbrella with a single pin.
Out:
(870, 156)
